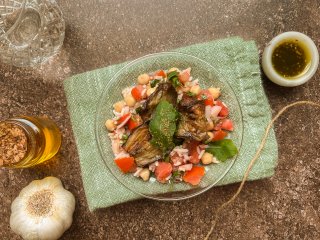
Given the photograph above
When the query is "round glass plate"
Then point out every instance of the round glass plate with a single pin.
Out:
(208, 77)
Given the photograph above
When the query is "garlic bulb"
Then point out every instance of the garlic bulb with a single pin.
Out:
(43, 210)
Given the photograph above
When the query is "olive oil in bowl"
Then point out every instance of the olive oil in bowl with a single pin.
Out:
(291, 59)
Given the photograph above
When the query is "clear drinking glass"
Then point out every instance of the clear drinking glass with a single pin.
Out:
(31, 31)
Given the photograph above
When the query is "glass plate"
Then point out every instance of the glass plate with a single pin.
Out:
(127, 76)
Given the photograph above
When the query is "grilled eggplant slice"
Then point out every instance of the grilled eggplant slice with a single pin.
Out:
(138, 145)
(191, 128)
(164, 91)
(193, 124)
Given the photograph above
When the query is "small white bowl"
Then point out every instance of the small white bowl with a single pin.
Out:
(271, 72)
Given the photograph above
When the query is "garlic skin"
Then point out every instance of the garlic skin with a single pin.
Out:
(43, 210)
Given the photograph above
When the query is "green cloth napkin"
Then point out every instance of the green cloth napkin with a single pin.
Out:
(236, 58)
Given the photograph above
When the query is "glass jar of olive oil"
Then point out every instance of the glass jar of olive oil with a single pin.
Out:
(27, 141)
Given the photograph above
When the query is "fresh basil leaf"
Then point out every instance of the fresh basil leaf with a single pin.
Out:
(124, 137)
(222, 149)
(154, 83)
(204, 97)
(176, 82)
(190, 94)
(163, 125)
(167, 159)
(176, 174)
(173, 77)
(172, 74)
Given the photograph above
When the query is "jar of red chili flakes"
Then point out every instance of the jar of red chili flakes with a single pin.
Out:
(28, 141)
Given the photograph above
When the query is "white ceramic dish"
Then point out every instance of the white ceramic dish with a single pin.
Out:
(277, 78)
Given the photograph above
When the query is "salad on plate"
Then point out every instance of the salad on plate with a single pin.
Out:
(167, 128)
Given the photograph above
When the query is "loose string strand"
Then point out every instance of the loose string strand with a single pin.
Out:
(254, 159)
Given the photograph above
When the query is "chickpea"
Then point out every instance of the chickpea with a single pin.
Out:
(210, 126)
(143, 79)
(145, 174)
(119, 105)
(210, 134)
(195, 89)
(130, 101)
(207, 158)
(110, 125)
(215, 92)
(150, 91)
(173, 69)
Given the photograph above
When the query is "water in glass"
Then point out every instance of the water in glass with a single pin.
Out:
(31, 31)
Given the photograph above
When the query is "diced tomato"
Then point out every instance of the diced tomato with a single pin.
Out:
(184, 76)
(134, 122)
(194, 176)
(193, 153)
(219, 135)
(160, 73)
(207, 97)
(137, 92)
(224, 110)
(163, 170)
(208, 102)
(217, 127)
(123, 118)
(125, 164)
(227, 124)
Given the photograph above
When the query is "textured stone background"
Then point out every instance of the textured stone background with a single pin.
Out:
(104, 32)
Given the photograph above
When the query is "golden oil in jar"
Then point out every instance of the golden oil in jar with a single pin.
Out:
(43, 139)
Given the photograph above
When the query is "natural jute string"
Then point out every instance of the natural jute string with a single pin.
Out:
(254, 159)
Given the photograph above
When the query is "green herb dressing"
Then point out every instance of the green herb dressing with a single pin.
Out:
(291, 59)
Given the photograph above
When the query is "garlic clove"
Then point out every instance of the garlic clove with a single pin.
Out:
(19, 219)
(65, 205)
(50, 228)
(49, 183)
(26, 192)
(37, 185)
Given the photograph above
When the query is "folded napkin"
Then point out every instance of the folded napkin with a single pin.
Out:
(237, 59)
